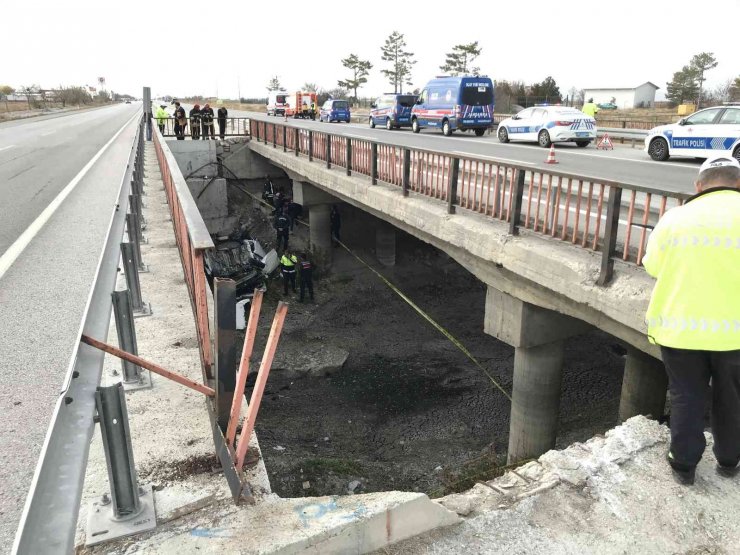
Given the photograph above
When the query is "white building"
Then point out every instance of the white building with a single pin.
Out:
(642, 96)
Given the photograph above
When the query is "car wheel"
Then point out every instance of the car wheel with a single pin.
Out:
(446, 129)
(503, 135)
(372, 123)
(544, 139)
(480, 132)
(388, 124)
(658, 150)
(583, 144)
(736, 153)
(415, 125)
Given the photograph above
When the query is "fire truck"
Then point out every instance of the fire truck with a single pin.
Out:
(300, 105)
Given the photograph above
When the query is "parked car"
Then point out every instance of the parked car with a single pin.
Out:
(607, 106)
(703, 134)
(392, 110)
(334, 110)
(451, 103)
(548, 124)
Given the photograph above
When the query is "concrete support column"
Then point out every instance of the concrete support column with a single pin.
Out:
(320, 233)
(538, 373)
(537, 334)
(385, 244)
(644, 386)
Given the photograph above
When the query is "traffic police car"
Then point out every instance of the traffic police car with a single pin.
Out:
(547, 125)
(704, 134)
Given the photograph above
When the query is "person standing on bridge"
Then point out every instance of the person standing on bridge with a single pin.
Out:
(161, 116)
(195, 122)
(222, 114)
(282, 226)
(694, 315)
(335, 224)
(206, 119)
(306, 268)
(590, 109)
(181, 122)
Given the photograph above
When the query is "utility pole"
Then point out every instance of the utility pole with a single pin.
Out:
(239, 87)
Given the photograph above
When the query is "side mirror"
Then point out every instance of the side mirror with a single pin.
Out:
(373, 105)
(419, 101)
(514, 117)
(682, 121)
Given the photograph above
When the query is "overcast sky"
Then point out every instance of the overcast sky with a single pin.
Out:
(185, 47)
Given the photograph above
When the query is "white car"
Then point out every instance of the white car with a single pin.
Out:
(547, 125)
(703, 134)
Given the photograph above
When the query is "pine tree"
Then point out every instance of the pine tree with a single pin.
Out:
(458, 60)
(702, 63)
(274, 84)
(394, 51)
(683, 87)
(359, 69)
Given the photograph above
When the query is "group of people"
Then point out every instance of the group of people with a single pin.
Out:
(200, 120)
(290, 265)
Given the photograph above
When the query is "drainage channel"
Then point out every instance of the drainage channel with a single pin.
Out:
(366, 396)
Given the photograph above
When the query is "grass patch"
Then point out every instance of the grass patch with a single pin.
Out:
(343, 467)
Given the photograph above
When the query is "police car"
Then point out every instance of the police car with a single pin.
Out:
(704, 134)
(547, 125)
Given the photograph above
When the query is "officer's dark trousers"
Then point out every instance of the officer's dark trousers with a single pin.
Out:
(195, 131)
(222, 128)
(306, 283)
(282, 237)
(288, 277)
(689, 373)
(179, 132)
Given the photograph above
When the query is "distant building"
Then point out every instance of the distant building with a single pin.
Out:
(642, 96)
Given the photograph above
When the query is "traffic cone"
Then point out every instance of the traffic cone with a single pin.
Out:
(551, 156)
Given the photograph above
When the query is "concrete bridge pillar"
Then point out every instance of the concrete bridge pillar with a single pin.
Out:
(644, 386)
(385, 244)
(538, 335)
(320, 233)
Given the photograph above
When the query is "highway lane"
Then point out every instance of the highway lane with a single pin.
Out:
(44, 292)
(623, 164)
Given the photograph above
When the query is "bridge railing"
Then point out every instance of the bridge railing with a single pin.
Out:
(601, 215)
(235, 127)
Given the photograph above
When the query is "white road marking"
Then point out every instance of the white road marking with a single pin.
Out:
(6, 147)
(15, 250)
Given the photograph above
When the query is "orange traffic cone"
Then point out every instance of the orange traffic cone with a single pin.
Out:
(551, 156)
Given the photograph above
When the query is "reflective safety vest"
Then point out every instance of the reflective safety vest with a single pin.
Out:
(288, 263)
(590, 109)
(694, 254)
(161, 115)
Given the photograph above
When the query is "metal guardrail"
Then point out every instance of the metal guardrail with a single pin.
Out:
(234, 127)
(584, 210)
(49, 518)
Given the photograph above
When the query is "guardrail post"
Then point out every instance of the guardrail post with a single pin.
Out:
(374, 163)
(274, 135)
(328, 151)
(297, 141)
(406, 171)
(348, 155)
(132, 507)
(133, 378)
(132, 227)
(516, 204)
(285, 138)
(224, 294)
(452, 192)
(132, 280)
(610, 235)
(310, 146)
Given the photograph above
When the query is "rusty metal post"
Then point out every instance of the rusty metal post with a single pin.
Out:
(274, 135)
(225, 315)
(297, 141)
(310, 146)
(374, 163)
(610, 235)
(516, 205)
(406, 171)
(452, 192)
(348, 155)
(328, 151)
(285, 138)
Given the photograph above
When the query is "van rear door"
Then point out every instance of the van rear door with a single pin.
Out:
(476, 102)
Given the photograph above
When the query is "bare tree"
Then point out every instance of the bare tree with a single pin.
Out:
(29, 91)
(5, 91)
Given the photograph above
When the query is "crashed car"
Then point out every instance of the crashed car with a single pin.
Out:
(242, 259)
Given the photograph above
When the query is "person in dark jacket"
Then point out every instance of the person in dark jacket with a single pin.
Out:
(206, 122)
(306, 268)
(181, 122)
(268, 191)
(282, 227)
(294, 210)
(279, 201)
(335, 221)
(195, 122)
(222, 114)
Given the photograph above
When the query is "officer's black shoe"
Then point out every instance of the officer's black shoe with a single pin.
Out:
(682, 474)
(727, 471)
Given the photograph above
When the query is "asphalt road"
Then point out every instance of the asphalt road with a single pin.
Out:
(44, 289)
(623, 164)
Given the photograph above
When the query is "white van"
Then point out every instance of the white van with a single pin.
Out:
(277, 102)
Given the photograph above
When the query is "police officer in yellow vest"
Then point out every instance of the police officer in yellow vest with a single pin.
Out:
(589, 108)
(161, 116)
(694, 315)
(288, 268)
